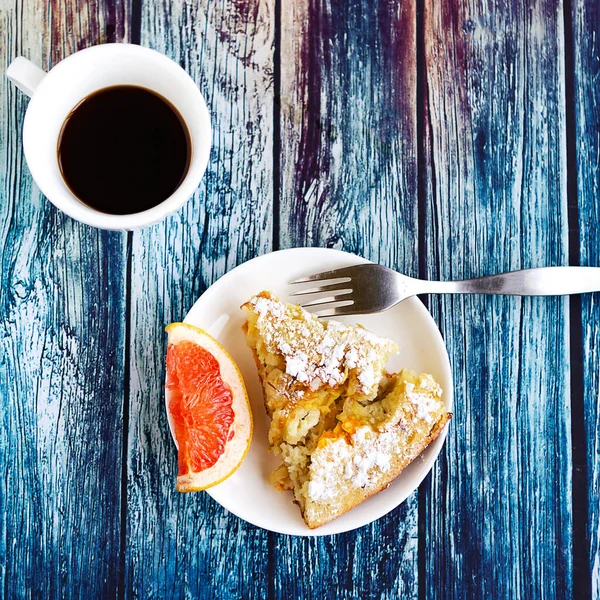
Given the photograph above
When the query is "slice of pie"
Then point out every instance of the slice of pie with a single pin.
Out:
(343, 427)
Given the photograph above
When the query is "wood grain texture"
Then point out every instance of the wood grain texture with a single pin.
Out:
(586, 35)
(348, 128)
(61, 350)
(378, 561)
(498, 518)
(186, 545)
(349, 181)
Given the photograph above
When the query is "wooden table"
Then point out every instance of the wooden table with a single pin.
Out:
(444, 139)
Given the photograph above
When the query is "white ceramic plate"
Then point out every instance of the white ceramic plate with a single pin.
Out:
(247, 492)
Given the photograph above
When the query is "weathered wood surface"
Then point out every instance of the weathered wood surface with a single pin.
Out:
(586, 162)
(187, 545)
(348, 128)
(326, 116)
(498, 518)
(349, 181)
(62, 337)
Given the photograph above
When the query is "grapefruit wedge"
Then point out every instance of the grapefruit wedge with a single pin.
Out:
(208, 407)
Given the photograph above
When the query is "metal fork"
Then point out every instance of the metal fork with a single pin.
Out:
(370, 288)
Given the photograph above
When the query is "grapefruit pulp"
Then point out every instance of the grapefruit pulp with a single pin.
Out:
(208, 407)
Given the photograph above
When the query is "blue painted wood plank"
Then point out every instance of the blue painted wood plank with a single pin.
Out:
(349, 181)
(186, 545)
(62, 315)
(586, 36)
(498, 512)
(348, 128)
(378, 561)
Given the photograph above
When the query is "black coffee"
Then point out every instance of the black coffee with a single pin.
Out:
(124, 149)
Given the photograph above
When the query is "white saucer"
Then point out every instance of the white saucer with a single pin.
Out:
(247, 492)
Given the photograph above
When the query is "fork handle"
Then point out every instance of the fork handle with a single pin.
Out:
(546, 281)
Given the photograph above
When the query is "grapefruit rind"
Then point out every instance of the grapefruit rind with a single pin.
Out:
(236, 448)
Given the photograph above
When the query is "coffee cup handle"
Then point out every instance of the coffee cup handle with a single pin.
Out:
(25, 75)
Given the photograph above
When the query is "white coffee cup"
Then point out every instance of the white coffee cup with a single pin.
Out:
(56, 93)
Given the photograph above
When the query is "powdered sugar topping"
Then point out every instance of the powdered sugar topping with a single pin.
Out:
(370, 454)
(318, 352)
(425, 405)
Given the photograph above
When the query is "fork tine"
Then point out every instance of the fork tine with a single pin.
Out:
(338, 311)
(345, 272)
(334, 287)
(328, 300)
